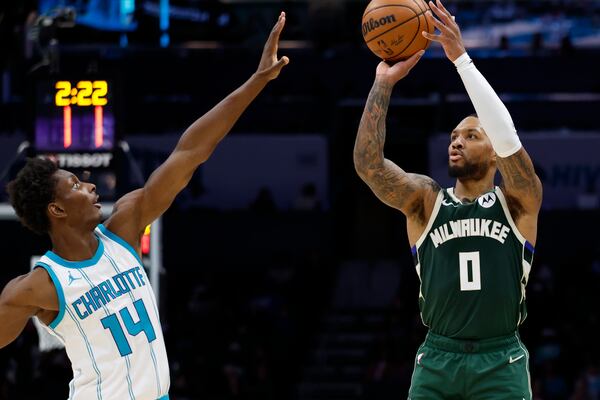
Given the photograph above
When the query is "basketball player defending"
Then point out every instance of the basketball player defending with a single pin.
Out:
(472, 244)
(91, 289)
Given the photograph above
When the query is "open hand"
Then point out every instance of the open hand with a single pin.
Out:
(449, 37)
(269, 65)
(393, 73)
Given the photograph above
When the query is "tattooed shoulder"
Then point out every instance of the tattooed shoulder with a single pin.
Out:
(431, 188)
(518, 175)
(426, 182)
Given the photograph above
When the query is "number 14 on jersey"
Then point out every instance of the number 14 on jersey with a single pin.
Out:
(112, 323)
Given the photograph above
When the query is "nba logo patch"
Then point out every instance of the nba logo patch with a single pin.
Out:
(487, 200)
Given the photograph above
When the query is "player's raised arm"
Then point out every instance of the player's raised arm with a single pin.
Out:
(412, 194)
(520, 182)
(195, 146)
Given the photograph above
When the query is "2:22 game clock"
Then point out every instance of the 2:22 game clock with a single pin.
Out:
(74, 116)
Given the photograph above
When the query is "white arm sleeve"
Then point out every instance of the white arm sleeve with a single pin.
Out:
(493, 115)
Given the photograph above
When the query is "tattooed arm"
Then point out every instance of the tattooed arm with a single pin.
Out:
(521, 186)
(523, 190)
(520, 181)
(412, 194)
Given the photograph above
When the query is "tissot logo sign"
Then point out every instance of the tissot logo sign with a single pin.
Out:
(84, 160)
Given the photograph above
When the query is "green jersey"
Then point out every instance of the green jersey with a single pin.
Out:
(473, 265)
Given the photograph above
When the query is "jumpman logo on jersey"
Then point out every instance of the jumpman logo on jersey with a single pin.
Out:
(72, 278)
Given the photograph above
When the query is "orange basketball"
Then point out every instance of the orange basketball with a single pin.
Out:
(392, 28)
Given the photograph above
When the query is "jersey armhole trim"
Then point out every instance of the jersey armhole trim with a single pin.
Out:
(509, 217)
(115, 238)
(59, 291)
(432, 217)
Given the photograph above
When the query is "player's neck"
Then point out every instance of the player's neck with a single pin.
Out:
(74, 245)
(471, 189)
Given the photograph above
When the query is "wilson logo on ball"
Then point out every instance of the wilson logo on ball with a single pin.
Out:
(372, 24)
(392, 28)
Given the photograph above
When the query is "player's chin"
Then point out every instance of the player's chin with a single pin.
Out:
(96, 213)
(91, 220)
(456, 171)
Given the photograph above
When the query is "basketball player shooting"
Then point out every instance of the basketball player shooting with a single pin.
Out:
(472, 244)
(91, 289)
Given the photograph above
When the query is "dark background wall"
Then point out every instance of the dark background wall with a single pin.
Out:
(312, 302)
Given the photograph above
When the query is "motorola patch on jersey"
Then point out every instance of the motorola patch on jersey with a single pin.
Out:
(487, 200)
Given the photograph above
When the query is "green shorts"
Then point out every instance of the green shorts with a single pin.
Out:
(455, 369)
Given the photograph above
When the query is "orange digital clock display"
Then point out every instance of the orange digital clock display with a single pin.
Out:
(79, 117)
(83, 94)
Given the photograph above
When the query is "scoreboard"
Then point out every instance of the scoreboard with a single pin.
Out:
(75, 125)
(74, 116)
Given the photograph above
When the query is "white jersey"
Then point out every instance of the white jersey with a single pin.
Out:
(108, 321)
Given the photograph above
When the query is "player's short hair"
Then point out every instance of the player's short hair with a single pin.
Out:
(31, 192)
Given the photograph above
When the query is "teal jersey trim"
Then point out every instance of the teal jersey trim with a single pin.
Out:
(78, 264)
(127, 361)
(119, 240)
(165, 397)
(91, 354)
(59, 292)
(129, 384)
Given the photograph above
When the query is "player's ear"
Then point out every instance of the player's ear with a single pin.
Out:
(56, 211)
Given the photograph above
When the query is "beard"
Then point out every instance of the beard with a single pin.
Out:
(469, 170)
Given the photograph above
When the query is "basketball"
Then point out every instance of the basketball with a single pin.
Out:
(392, 28)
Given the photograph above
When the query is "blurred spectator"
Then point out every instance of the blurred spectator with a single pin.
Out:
(588, 200)
(504, 43)
(592, 381)
(264, 202)
(544, 278)
(587, 386)
(549, 349)
(233, 370)
(566, 46)
(554, 384)
(537, 43)
(503, 12)
(307, 199)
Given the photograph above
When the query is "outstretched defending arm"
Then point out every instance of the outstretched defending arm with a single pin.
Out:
(412, 194)
(139, 208)
(521, 183)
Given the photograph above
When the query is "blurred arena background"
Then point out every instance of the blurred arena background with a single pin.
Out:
(281, 275)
